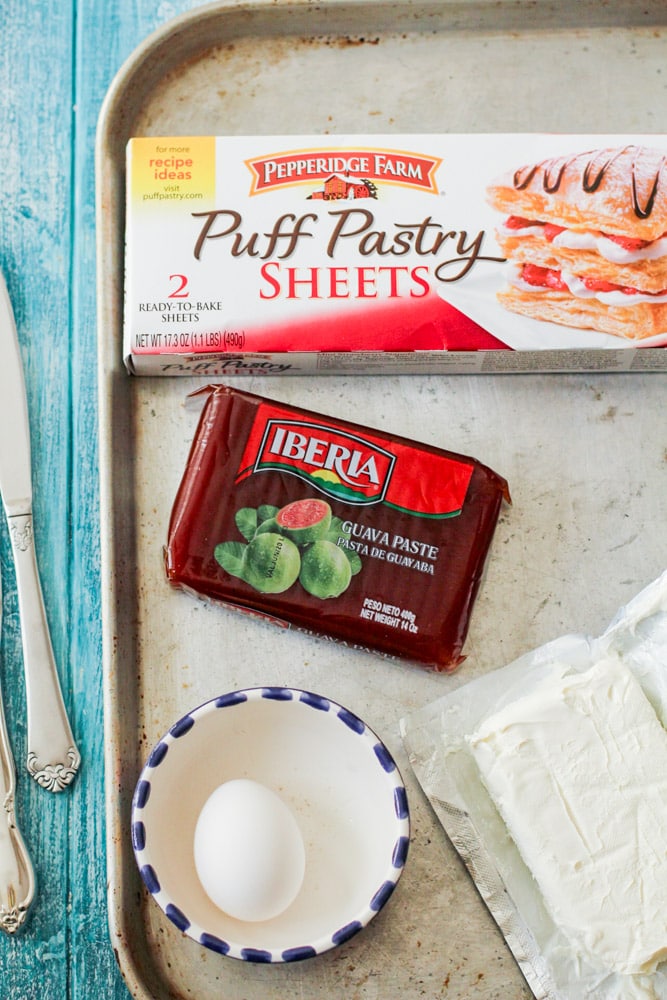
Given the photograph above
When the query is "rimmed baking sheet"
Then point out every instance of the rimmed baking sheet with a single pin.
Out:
(584, 508)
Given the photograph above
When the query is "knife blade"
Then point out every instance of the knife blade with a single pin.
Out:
(52, 755)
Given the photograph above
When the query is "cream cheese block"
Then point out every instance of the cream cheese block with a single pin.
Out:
(577, 769)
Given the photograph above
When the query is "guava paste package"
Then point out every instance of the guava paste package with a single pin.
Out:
(333, 528)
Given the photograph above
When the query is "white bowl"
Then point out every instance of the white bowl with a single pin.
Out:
(337, 777)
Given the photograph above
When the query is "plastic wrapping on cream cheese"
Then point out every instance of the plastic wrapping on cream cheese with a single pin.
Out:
(563, 750)
(578, 771)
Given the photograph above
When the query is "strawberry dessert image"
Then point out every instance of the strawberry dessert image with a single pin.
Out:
(585, 236)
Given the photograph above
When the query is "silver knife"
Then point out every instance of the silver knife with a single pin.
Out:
(53, 758)
(17, 876)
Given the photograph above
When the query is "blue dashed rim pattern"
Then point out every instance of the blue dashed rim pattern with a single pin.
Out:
(141, 840)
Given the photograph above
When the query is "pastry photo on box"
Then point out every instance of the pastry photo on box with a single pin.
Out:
(585, 237)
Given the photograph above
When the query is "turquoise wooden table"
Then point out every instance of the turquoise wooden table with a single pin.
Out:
(57, 60)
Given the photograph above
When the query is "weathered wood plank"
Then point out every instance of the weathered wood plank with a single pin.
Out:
(56, 63)
(106, 34)
(35, 123)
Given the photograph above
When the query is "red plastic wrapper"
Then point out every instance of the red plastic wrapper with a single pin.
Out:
(333, 528)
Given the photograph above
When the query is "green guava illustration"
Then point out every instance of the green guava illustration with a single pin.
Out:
(304, 521)
(269, 525)
(325, 570)
(271, 563)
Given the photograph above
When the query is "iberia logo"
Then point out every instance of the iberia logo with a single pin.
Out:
(341, 465)
(356, 469)
(335, 174)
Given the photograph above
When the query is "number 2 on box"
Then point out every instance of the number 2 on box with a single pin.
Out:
(181, 282)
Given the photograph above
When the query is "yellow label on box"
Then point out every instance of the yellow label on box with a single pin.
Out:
(173, 170)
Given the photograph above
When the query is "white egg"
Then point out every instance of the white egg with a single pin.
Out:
(248, 850)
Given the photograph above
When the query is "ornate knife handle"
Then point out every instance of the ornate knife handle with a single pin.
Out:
(17, 881)
(53, 759)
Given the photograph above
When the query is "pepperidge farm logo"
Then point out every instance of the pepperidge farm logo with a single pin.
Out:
(335, 174)
(341, 465)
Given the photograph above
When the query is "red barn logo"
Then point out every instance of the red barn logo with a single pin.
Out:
(343, 173)
(345, 187)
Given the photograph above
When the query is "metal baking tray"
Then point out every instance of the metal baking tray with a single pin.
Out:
(577, 543)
